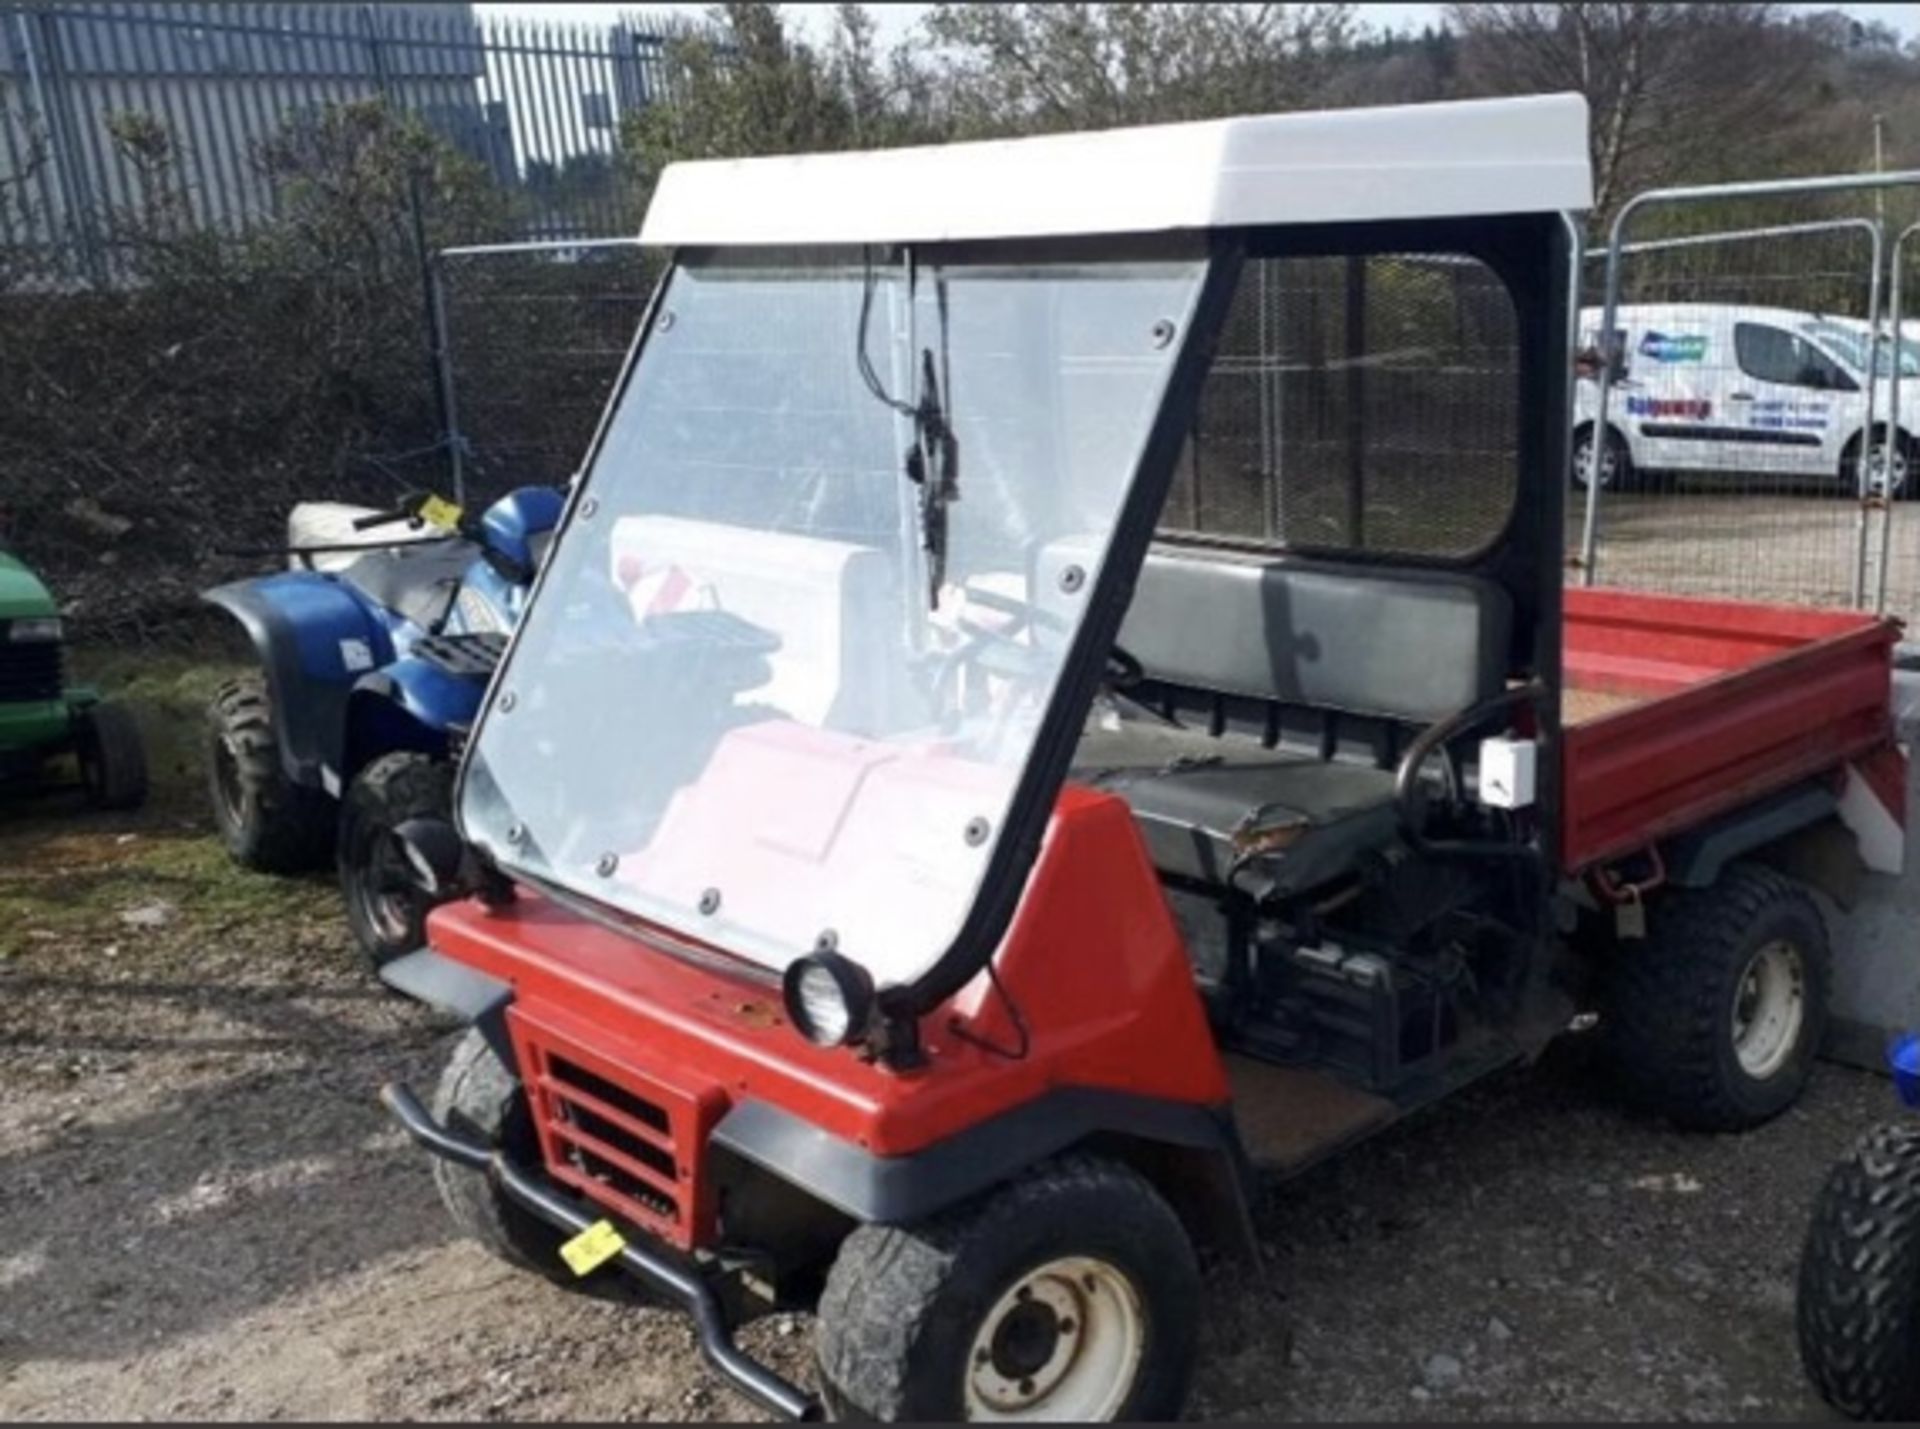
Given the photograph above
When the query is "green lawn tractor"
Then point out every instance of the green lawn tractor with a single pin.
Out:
(43, 717)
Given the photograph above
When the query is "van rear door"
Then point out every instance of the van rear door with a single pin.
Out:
(1678, 369)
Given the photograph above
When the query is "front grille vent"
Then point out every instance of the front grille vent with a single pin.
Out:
(29, 671)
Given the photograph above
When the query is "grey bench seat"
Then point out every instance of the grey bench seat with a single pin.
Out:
(1349, 661)
(1204, 804)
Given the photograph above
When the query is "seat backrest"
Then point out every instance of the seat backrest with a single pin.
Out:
(1405, 645)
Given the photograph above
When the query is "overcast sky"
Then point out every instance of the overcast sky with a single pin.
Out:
(895, 20)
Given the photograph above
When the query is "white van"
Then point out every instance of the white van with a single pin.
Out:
(1726, 387)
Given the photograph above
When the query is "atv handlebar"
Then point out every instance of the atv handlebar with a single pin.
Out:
(383, 518)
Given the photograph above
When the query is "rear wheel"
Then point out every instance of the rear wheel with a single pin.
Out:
(478, 1095)
(113, 762)
(1858, 1308)
(386, 907)
(1715, 1017)
(1070, 1294)
(266, 821)
(1891, 470)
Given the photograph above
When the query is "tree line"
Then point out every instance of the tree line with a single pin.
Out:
(154, 426)
(1679, 93)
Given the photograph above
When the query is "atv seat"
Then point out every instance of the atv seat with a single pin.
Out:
(419, 581)
(1285, 693)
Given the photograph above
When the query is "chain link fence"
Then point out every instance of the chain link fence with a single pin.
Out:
(532, 338)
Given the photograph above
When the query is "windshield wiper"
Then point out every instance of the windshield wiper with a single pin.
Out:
(932, 462)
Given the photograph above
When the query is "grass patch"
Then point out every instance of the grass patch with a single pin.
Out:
(168, 692)
(77, 883)
(68, 873)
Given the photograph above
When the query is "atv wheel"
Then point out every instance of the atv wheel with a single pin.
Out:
(386, 907)
(267, 822)
(1070, 1294)
(479, 1096)
(113, 762)
(1859, 1303)
(1714, 1018)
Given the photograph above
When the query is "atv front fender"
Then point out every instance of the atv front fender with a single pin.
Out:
(413, 704)
(316, 638)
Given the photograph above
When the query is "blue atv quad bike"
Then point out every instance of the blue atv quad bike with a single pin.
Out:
(369, 677)
(1858, 1306)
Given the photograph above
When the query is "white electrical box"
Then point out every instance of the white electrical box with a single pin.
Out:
(1508, 772)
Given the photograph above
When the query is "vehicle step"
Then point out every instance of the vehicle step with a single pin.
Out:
(1291, 1117)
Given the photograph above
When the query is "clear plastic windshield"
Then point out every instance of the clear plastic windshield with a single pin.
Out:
(788, 663)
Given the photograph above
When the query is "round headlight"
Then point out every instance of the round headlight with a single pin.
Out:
(829, 998)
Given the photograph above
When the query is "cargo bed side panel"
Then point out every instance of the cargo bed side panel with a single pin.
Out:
(1741, 701)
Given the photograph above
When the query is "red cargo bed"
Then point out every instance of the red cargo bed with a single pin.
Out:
(1679, 710)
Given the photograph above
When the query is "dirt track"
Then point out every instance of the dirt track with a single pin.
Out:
(204, 1214)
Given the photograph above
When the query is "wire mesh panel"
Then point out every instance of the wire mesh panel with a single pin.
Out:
(1358, 404)
(1901, 542)
(535, 338)
(1731, 463)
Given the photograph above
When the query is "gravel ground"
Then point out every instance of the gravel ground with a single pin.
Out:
(203, 1213)
(1699, 537)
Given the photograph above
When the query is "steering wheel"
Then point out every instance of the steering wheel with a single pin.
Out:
(995, 649)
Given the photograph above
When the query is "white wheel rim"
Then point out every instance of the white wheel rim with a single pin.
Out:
(1062, 1345)
(1879, 465)
(1769, 1009)
(1583, 458)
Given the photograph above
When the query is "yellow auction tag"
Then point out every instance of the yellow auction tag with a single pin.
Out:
(437, 511)
(592, 1248)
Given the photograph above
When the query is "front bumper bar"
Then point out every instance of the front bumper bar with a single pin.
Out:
(693, 1294)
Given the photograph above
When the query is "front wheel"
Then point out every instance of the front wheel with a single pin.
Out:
(480, 1096)
(1616, 462)
(1070, 1294)
(386, 907)
(113, 762)
(1858, 1307)
(266, 822)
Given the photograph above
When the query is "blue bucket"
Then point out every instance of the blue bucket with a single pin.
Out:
(1903, 1059)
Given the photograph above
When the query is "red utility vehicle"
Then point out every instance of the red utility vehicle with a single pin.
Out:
(1054, 696)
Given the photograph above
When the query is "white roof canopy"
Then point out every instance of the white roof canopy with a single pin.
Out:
(1488, 156)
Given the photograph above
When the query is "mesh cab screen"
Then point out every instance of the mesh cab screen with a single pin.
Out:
(1358, 404)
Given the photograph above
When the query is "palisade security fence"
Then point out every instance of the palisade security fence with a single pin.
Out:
(91, 94)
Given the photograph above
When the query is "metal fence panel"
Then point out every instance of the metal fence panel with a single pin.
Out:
(1745, 379)
(1358, 404)
(94, 95)
(1731, 455)
(1899, 580)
